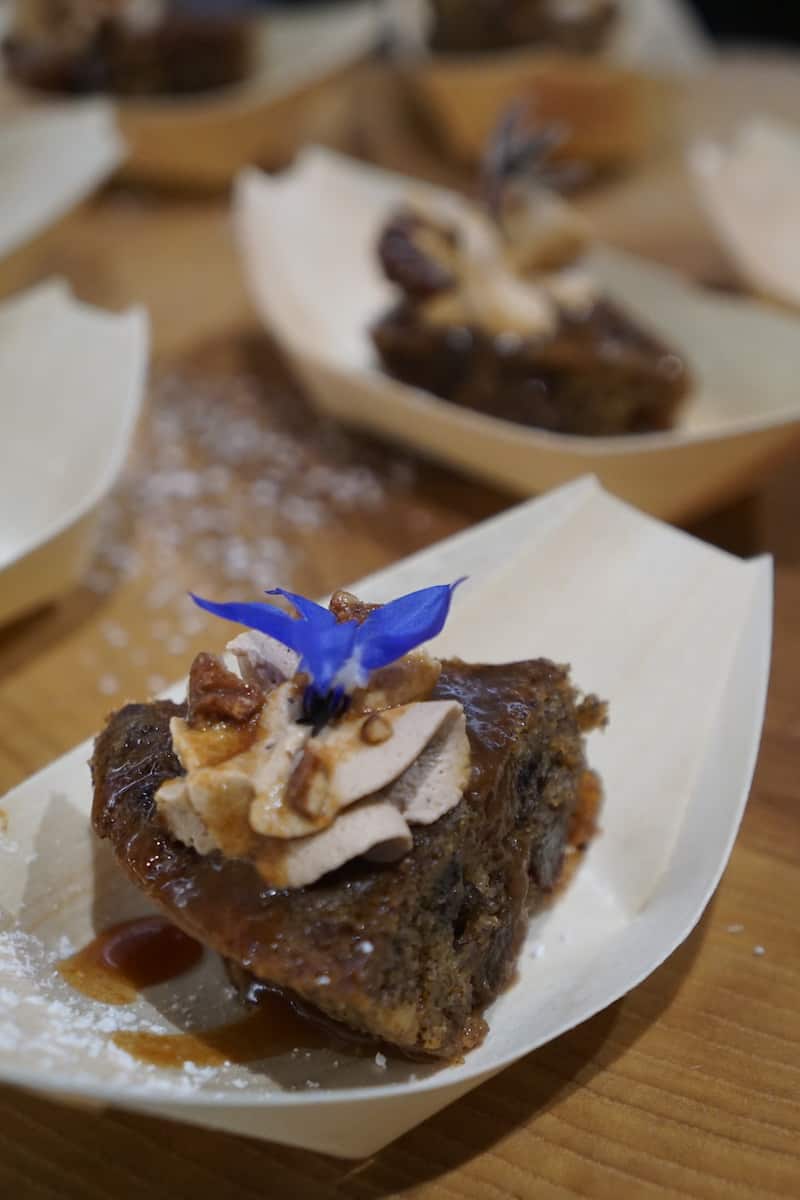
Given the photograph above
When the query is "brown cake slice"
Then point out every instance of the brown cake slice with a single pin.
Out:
(480, 26)
(408, 953)
(515, 339)
(79, 48)
(600, 374)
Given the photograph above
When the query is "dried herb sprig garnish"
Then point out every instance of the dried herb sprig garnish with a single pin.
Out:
(520, 154)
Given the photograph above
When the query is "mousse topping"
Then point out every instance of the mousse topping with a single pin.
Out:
(270, 779)
(507, 267)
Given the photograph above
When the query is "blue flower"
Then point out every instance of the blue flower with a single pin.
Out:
(340, 656)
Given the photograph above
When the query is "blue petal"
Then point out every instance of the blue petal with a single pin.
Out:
(308, 610)
(323, 648)
(266, 618)
(343, 654)
(325, 652)
(399, 626)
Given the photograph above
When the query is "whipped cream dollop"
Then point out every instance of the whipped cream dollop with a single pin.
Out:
(541, 231)
(299, 804)
(519, 278)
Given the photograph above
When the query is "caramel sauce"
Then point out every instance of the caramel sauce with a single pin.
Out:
(272, 1028)
(125, 958)
(214, 743)
(584, 824)
(583, 828)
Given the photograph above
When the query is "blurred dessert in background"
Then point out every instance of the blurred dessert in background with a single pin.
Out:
(602, 67)
(473, 26)
(128, 47)
(498, 315)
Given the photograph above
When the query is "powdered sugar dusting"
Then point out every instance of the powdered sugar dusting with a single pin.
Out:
(49, 1024)
(44, 1022)
(220, 477)
(230, 480)
(68, 1039)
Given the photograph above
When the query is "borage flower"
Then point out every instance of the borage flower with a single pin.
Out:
(340, 656)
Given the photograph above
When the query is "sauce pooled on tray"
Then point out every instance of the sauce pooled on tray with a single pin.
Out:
(129, 956)
(271, 1028)
(121, 960)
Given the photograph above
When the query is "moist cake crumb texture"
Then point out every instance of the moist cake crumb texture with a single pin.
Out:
(444, 924)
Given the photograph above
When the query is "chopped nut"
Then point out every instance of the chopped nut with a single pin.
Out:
(419, 255)
(216, 694)
(347, 607)
(307, 785)
(376, 729)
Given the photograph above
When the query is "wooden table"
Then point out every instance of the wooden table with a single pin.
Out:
(688, 1086)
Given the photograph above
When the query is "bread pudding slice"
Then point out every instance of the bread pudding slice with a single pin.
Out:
(409, 952)
(510, 326)
(599, 374)
(483, 26)
(127, 47)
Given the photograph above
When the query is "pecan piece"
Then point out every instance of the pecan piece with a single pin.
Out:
(217, 694)
(419, 255)
(347, 607)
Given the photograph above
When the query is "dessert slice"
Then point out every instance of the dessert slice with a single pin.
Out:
(498, 315)
(127, 47)
(369, 840)
(592, 371)
(480, 26)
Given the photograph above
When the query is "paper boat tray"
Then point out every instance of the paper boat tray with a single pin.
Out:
(307, 239)
(72, 380)
(749, 191)
(676, 635)
(51, 158)
(296, 90)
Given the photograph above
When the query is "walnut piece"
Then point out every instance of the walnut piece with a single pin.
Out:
(217, 694)
(420, 256)
(347, 607)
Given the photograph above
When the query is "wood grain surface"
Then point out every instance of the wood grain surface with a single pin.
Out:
(690, 1085)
